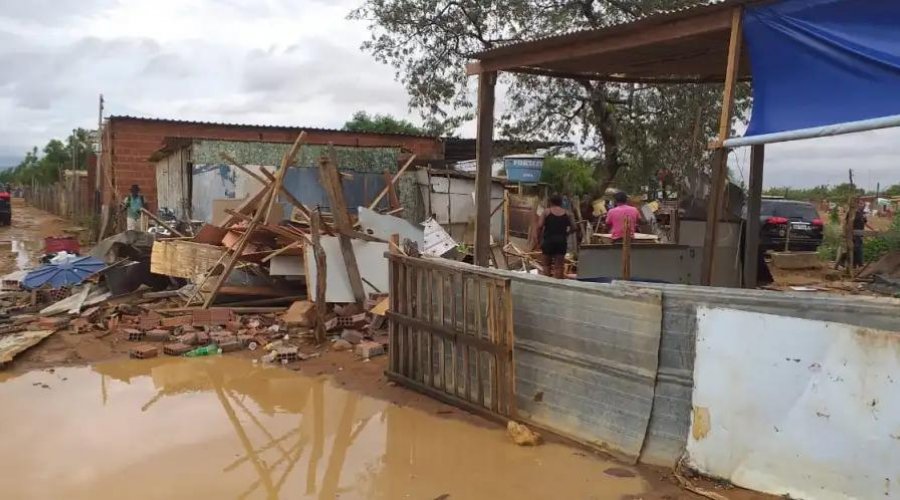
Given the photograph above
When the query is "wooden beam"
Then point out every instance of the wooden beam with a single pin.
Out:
(754, 204)
(484, 145)
(625, 39)
(393, 181)
(731, 72)
(597, 77)
(262, 211)
(315, 220)
(720, 156)
(331, 181)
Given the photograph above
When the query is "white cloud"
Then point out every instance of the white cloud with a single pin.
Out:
(275, 62)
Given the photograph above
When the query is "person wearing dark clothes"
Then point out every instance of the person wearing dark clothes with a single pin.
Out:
(553, 233)
(859, 226)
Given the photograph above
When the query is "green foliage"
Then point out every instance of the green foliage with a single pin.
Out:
(634, 129)
(892, 191)
(834, 216)
(382, 124)
(46, 167)
(886, 242)
(568, 175)
(832, 237)
(838, 194)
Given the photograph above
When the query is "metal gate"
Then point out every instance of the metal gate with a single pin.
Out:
(451, 334)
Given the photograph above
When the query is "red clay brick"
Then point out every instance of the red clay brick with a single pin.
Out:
(144, 352)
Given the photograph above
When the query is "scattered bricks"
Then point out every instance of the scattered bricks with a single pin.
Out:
(80, 325)
(176, 349)
(287, 354)
(187, 338)
(129, 319)
(352, 336)
(53, 323)
(148, 323)
(234, 325)
(158, 335)
(245, 340)
(369, 349)
(144, 352)
(222, 336)
(203, 338)
(212, 317)
(133, 334)
(301, 313)
(177, 321)
(341, 345)
(230, 346)
(91, 314)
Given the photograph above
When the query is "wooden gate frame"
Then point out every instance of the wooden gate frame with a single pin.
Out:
(463, 316)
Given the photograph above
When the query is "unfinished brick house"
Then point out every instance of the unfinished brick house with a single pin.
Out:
(128, 143)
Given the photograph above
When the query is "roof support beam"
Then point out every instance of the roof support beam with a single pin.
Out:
(484, 144)
(720, 157)
(627, 40)
(754, 206)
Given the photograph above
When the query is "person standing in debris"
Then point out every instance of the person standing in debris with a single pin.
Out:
(132, 206)
(860, 223)
(616, 217)
(553, 231)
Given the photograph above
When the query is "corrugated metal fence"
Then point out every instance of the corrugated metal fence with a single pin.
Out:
(612, 365)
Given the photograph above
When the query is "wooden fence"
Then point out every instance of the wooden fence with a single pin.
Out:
(451, 335)
(70, 198)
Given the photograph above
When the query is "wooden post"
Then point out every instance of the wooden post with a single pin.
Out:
(505, 218)
(331, 181)
(315, 227)
(754, 203)
(720, 157)
(484, 143)
(392, 182)
(626, 251)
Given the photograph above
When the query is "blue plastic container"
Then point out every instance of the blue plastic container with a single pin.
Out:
(523, 168)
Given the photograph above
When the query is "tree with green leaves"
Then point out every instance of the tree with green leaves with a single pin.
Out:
(46, 166)
(382, 124)
(892, 191)
(633, 130)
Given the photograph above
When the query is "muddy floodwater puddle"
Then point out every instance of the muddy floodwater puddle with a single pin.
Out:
(226, 428)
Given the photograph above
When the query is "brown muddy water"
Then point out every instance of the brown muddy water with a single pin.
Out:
(226, 428)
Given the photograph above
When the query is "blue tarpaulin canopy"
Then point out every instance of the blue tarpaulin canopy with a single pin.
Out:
(822, 67)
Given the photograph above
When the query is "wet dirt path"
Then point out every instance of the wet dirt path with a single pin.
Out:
(22, 243)
(227, 428)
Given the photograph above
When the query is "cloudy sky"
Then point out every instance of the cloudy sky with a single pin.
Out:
(273, 62)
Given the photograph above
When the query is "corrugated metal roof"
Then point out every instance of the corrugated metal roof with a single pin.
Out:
(251, 125)
(655, 17)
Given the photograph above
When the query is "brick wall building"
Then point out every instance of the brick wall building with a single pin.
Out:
(128, 143)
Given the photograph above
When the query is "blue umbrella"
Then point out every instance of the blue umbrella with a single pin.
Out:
(68, 273)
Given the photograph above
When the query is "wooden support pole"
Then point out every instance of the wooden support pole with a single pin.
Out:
(754, 203)
(315, 220)
(331, 181)
(720, 156)
(484, 157)
(626, 251)
(393, 181)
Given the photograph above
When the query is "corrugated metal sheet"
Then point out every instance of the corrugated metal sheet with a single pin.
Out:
(586, 360)
(670, 420)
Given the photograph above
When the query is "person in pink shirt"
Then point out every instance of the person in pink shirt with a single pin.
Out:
(616, 217)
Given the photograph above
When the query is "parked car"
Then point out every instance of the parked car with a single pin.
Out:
(779, 217)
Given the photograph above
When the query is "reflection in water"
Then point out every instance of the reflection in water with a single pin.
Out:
(226, 428)
(26, 252)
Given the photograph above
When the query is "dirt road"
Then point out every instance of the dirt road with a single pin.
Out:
(427, 449)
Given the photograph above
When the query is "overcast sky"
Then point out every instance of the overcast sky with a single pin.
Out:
(274, 62)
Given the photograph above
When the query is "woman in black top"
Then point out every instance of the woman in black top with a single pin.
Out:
(553, 232)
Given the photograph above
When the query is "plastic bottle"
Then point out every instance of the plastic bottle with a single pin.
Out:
(207, 350)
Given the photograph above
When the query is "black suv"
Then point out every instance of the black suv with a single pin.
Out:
(777, 217)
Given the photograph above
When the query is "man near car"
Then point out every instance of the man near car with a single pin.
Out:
(860, 223)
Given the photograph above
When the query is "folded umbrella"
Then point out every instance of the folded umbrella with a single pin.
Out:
(68, 273)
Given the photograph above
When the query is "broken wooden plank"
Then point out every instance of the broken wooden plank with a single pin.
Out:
(393, 181)
(161, 223)
(331, 181)
(320, 259)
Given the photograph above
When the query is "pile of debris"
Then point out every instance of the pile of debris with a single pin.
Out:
(238, 285)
